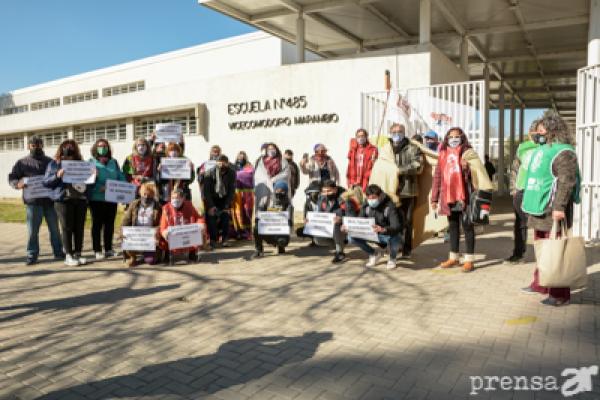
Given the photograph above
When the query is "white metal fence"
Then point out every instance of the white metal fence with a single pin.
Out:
(436, 107)
(587, 214)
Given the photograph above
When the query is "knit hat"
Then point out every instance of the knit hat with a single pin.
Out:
(431, 135)
(313, 187)
(281, 185)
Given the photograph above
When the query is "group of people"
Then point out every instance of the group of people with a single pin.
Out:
(235, 192)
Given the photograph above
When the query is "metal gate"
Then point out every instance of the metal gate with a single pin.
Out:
(436, 107)
(587, 213)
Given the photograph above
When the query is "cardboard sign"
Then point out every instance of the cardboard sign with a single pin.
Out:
(273, 223)
(34, 188)
(139, 238)
(168, 133)
(184, 236)
(361, 228)
(78, 172)
(320, 224)
(119, 191)
(175, 168)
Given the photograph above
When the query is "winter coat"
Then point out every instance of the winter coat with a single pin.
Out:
(368, 160)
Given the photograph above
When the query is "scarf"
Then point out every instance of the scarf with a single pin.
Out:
(453, 183)
(273, 165)
(219, 184)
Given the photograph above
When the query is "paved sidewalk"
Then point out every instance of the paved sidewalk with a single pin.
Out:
(285, 327)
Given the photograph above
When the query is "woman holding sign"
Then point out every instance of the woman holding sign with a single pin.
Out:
(103, 212)
(139, 165)
(70, 177)
(174, 170)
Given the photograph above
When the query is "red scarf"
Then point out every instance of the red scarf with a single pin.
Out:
(453, 183)
(142, 165)
(273, 165)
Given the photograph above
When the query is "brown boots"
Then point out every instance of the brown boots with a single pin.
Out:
(453, 261)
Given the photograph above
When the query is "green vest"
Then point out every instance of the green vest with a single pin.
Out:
(540, 181)
(524, 152)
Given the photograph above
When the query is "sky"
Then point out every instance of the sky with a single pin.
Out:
(46, 40)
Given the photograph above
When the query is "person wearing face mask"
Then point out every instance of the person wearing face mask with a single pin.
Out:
(144, 211)
(271, 168)
(518, 173)
(243, 200)
(103, 212)
(263, 153)
(409, 161)
(217, 192)
(34, 165)
(552, 186)
(70, 202)
(178, 211)
(312, 192)
(432, 140)
(294, 171)
(280, 201)
(319, 167)
(205, 168)
(452, 184)
(165, 186)
(387, 226)
(140, 166)
(361, 158)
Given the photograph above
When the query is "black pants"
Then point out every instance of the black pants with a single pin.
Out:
(406, 209)
(520, 226)
(71, 215)
(218, 226)
(103, 218)
(455, 219)
(279, 241)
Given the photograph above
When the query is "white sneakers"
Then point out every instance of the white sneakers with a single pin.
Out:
(99, 256)
(74, 261)
(391, 264)
(373, 259)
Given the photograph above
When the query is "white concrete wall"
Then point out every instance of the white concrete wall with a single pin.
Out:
(443, 70)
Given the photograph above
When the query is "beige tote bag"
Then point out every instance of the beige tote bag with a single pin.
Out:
(561, 261)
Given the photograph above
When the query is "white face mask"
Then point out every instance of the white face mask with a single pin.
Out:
(141, 148)
(361, 140)
(173, 154)
(454, 142)
(271, 153)
(396, 137)
(176, 202)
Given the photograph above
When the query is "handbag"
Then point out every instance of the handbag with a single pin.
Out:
(561, 260)
(480, 203)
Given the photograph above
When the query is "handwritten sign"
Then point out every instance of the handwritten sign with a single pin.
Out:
(175, 168)
(119, 191)
(34, 188)
(361, 228)
(184, 236)
(168, 133)
(320, 224)
(139, 238)
(78, 172)
(273, 223)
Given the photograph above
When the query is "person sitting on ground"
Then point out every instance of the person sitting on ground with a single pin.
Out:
(179, 211)
(144, 211)
(313, 191)
(279, 202)
(387, 226)
(218, 190)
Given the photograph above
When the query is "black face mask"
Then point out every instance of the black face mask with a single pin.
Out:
(37, 152)
(68, 151)
(331, 196)
(314, 197)
(146, 200)
(539, 139)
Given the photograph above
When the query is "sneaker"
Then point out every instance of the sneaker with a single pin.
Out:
(373, 259)
(405, 255)
(257, 254)
(60, 256)
(391, 264)
(109, 254)
(468, 266)
(513, 260)
(192, 256)
(30, 261)
(225, 244)
(99, 256)
(280, 250)
(338, 258)
(553, 301)
(70, 261)
(528, 290)
(81, 260)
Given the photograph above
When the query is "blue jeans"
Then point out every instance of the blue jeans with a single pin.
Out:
(393, 242)
(35, 213)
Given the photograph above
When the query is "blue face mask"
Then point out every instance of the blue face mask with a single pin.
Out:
(373, 203)
(396, 137)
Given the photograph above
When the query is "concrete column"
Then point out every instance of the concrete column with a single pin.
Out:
(501, 139)
(512, 132)
(71, 132)
(464, 54)
(425, 21)
(300, 34)
(522, 124)
(129, 129)
(594, 33)
(486, 110)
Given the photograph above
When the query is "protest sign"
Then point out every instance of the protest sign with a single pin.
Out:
(361, 228)
(34, 188)
(168, 133)
(184, 236)
(78, 172)
(320, 224)
(273, 223)
(175, 168)
(139, 238)
(119, 191)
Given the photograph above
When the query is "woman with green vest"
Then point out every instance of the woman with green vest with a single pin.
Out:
(517, 185)
(103, 213)
(551, 188)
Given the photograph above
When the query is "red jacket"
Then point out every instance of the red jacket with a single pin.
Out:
(187, 214)
(360, 176)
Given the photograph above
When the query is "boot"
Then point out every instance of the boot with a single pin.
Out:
(452, 261)
(468, 265)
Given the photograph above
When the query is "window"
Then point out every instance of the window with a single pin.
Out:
(145, 126)
(113, 131)
(15, 142)
(15, 110)
(53, 138)
(125, 88)
(40, 105)
(79, 97)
